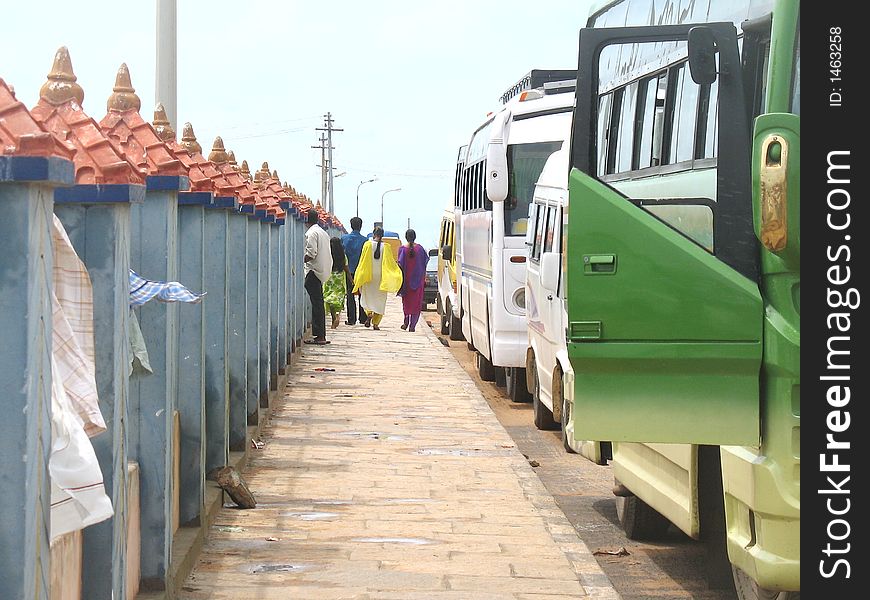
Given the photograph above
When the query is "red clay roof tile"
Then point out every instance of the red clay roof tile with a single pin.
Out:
(21, 134)
(125, 126)
(97, 159)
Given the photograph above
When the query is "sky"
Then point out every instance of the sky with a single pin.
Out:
(408, 82)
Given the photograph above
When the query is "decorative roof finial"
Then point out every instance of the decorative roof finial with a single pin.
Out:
(162, 125)
(231, 158)
(245, 171)
(275, 175)
(218, 154)
(123, 96)
(61, 86)
(188, 139)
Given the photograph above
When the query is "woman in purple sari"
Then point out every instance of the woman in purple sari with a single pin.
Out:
(412, 260)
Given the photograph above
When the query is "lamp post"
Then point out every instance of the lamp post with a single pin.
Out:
(382, 202)
(357, 192)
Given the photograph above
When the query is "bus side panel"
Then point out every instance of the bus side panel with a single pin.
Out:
(661, 331)
(665, 476)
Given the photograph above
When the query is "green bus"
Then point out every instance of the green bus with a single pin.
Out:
(682, 246)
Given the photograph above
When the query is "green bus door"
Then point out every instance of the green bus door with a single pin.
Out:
(664, 335)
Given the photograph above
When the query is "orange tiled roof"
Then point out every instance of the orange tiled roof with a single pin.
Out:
(140, 142)
(21, 134)
(97, 159)
(222, 187)
(221, 160)
(199, 181)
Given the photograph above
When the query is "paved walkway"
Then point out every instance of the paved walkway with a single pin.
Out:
(391, 479)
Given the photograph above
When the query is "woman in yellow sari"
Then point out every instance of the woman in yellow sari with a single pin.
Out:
(376, 275)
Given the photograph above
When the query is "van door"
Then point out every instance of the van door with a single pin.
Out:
(664, 336)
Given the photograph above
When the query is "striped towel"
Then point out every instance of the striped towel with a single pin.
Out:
(142, 290)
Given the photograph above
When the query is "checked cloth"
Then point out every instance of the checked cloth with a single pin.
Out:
(142, 290)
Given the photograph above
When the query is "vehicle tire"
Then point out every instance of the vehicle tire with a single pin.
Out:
(747, 589)
(543, 417)
(500, 377)
(639, 520)
(559, 396)
(484, 368)
(515, 381)
(455, 327)
(445, 319)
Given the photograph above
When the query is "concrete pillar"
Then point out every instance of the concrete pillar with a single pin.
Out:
(191, 357)
(264, 314)
(237, 268)
(97, 220)
(252, 320)
(215, 309)
(26, 188)
(154, 255)
(274, 303)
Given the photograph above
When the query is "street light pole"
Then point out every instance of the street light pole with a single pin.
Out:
(382, 202)
(357, 192)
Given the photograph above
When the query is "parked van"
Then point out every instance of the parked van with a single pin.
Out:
(447, 300)
(548, 370)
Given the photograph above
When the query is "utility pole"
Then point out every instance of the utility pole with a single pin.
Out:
(328, 128)
(166, 84)
(323, 170)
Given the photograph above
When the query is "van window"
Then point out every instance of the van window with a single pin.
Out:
(550, 234)
(540, 225)
(525, 163)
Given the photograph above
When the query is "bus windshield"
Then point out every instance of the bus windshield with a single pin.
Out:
(525, 163)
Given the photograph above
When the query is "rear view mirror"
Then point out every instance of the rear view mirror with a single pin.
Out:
(433, 252)
(496, 159)
(550, 271)
(447, 252)
(702, 55)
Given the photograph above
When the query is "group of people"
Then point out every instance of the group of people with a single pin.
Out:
(340, 270)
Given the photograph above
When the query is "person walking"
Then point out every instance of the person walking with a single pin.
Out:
(353, 244)
(318, 264)
(377, 274)
(412, 260)
(335, 288)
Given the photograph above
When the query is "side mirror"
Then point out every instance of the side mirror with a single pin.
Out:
(702, 55)
(447, 252)
(550, 271)
(496, 159)
(433, 252)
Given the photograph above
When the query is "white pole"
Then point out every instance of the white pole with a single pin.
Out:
(167, 53)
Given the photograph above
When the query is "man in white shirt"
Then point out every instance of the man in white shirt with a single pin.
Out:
(318, 265)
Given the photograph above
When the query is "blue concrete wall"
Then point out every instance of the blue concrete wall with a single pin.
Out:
(237, 227)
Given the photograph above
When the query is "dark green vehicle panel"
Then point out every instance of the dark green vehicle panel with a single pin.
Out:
(669, 334)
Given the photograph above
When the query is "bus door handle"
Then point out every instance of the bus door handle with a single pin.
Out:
(599, 264)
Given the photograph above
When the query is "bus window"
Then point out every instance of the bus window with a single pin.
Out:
(708, 110)
(603, 126)
(796, 83)
(613, 130)
(685, 120)
(658, 124)
(525, 163)
(625, 137)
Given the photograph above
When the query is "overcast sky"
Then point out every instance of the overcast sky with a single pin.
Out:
(407, 81)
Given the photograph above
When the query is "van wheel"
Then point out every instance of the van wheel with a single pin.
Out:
(515, 381)
(559, 396)
(455, 327)
(484, 368)
(543, 416)
(500, 377)
(747, 589)
(639, 520)
(445, 318)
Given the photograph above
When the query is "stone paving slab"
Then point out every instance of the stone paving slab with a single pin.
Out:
(391, 478)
